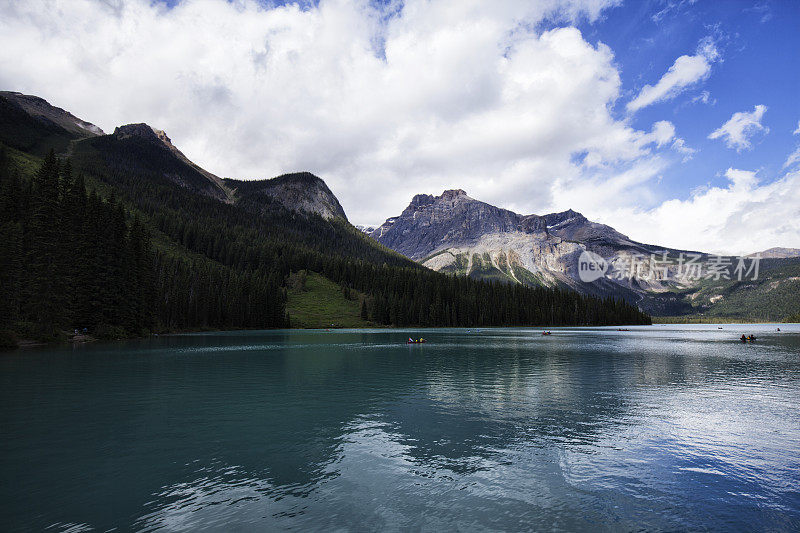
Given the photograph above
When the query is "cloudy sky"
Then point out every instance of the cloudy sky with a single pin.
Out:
(675, 121)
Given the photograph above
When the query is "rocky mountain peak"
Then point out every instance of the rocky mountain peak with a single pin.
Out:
(452, 194)
(157, 138)
(143, 131)
(554, 219)
(421, 200)
(299, 191)
(430, 222)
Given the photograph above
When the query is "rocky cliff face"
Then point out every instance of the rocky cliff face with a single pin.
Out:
(431, 223)
(456, 233)
(302, 192)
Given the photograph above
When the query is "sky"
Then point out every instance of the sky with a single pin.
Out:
(677, 122)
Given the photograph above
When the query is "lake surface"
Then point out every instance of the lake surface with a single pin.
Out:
(657, 428)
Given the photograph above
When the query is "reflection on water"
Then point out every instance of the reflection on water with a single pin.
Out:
(659, 428)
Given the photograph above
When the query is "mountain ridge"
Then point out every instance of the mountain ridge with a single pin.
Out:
(298, 191)
(42, 109)
(457, 234)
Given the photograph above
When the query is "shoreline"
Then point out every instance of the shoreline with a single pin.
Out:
(81, 339)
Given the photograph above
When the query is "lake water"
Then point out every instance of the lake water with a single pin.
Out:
(657, 428)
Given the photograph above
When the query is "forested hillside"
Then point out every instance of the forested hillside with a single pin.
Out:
(258, 233)
(120, 236)
(69, 259)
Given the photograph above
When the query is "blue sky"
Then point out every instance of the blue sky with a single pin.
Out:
(760, 64)
(670, 120)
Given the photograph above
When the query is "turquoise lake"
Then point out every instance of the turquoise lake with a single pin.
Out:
(660, 428)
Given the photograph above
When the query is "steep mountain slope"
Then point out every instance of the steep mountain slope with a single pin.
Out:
(30, 124)
(143, 150)
(40, 109)
(455, 233)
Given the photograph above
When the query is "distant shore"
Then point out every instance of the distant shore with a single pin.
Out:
(714, 320)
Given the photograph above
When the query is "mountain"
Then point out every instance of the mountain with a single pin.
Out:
(300, 191)
(41, 110)
(122, 234)
(142, 150)
(778, 253)
(30, 124)
(455, 233)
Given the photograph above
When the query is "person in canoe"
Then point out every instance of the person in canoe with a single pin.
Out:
(744, 338)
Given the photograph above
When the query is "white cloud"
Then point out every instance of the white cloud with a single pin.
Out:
(686, 71)
(679, 145)
(704, 98)
(797, 131)
(740, 218)
(739, 129)
(793, 158)
(381, 104)
(673, 8)
(762, 10)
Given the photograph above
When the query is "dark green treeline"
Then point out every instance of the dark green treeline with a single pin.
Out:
(69, 259)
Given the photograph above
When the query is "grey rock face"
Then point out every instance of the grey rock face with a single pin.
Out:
(778, 253)
(302, 191)
(458, 234)
(430, 223)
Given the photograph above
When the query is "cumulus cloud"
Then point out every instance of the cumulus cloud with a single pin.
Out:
(740, 128)
(743, 217)
(686, 71)
(381, 101)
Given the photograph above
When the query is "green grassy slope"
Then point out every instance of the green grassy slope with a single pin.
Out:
(320, 303)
